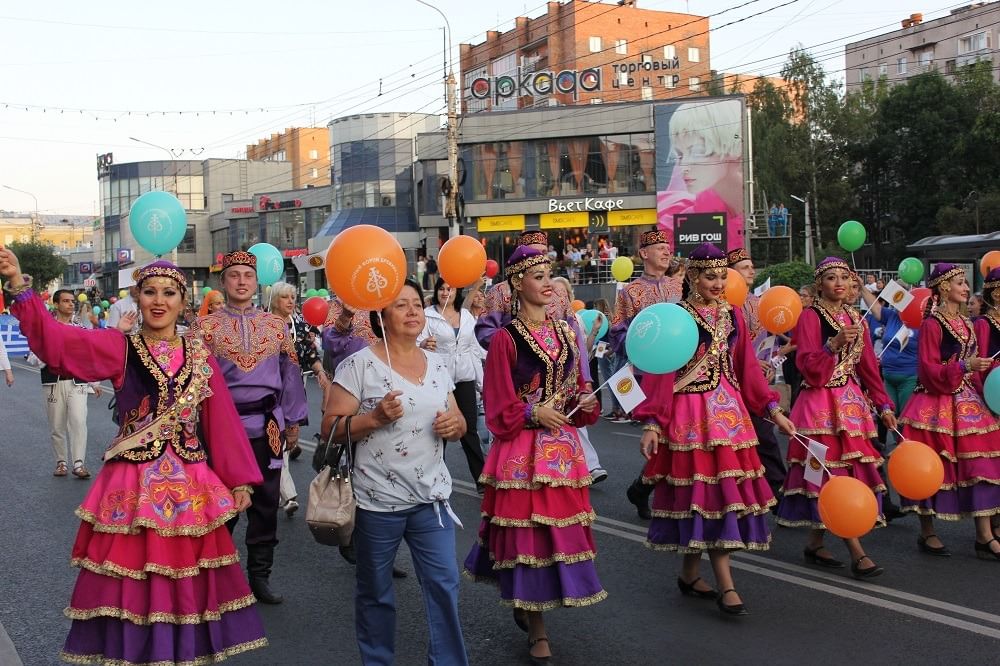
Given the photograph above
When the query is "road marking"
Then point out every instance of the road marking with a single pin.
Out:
(626, 434)
(795, 574)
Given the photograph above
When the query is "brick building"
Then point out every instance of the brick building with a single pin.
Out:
(307, 148)
(582, 52)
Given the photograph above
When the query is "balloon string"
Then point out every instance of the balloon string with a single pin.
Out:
(385, 341)
(805, 441)
(995, 355)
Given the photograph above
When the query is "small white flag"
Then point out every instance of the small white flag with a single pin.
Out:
(759, 291)
(601, 349)
(896, 295)
(626, 388)
(307, 263)
(814, 468)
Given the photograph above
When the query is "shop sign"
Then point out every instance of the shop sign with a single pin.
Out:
(536, 84)
(693, 229)
(241, 209)
(632, 218)
(563, 220)
(587, 204)
(500, 223)
(266, 203)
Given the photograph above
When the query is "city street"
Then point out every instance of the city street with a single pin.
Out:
(924, 609)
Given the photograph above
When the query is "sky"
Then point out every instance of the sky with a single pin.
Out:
(203, 79)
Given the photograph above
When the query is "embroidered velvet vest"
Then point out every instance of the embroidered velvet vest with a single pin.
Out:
(956, 344)
(148, 392)
(714, 341)
(850, 355)
(538, 378)
(993, 343)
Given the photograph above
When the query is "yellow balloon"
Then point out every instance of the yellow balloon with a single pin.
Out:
(622, 268)
(82, 298)
(123, 293)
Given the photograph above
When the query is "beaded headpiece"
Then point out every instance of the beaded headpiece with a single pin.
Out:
(736, 256)
(239, 258)
(942, 273)
(653, 238)
(992, 282)
(532, 238)
(705, 256)
(829, 264)
(160, 268)
(522, 259)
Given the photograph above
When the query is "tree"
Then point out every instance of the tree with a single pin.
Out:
(40, 261)
(792, 274)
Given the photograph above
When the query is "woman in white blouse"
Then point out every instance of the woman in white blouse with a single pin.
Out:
(399, 403)
(451, 332)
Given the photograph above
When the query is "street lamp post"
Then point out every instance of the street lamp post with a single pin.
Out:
(808, 227)
(451, 208)
(36, 222)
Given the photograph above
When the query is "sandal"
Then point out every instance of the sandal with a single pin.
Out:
(80, 472)
(60, 469)
(538, 661)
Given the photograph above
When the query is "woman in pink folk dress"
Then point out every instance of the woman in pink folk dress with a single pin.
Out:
(711, 494)
(947, 412)
(840, 383)
(988, 335)
(160, 580)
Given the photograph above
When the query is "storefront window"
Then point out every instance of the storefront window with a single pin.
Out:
(220, 242)
(286, 229)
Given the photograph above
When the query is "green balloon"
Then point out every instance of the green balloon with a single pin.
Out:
(205, 290)
(105, 305)
(323, 292)
(911, 270)
(311, 292)
(851, 235)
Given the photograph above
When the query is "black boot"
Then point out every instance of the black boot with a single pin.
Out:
(638, 494)
(259, 561)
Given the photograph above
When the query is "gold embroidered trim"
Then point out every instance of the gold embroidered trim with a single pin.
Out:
(200, 661)
(949, 431)
(145, 523)
(845, 461)
(560, 385)
(880, 488)
(719, 362)
(728, 474)
(860, 434)
(582, 482)
(694, 547)
(849, 356)
(169, 618)
(111, 569)
(740, 509)
(879, 522)
(565, 602)
(542, 562)
(922, 511)
(583, 518)
(710, 445)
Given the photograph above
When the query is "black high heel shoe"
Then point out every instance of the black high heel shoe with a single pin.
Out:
(940, 551)
(871, 572)
(734, 609)
(984, 552)
(813, 557)
(689, 589)
(538, 661)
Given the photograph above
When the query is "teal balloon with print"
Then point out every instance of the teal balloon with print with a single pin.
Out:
(270, 263)
(911, 270)
(158, 222)
(662, 338)
(589, 317)
(851, 235)
(991, 390)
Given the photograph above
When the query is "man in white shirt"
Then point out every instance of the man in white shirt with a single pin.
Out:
(5, 365)
(121, 306)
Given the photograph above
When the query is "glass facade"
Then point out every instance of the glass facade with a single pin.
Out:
(595, 165)
(375, 173)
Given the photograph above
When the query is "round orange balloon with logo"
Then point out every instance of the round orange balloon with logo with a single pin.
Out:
(366, 267)
(780, 308)
(461, 261)
(736, 288)
(916, 470)
(847, 507)
(578, 305)
(990, 261)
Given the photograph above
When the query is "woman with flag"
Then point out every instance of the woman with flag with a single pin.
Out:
(700, 444)
(947, 412)
(840, 382)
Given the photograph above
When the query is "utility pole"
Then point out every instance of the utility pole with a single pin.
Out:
(36, 221)
(809, 248)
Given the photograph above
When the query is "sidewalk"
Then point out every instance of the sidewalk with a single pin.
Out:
(8, 655)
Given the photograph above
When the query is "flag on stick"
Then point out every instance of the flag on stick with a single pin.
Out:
(626, 388)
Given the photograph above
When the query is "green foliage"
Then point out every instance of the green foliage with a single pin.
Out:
(40, 261)
(792, 274)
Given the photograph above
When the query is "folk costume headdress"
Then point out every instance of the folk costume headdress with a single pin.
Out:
(829, 264)
(161, 269)
(654, 237)
(706, 256)
(942, 273)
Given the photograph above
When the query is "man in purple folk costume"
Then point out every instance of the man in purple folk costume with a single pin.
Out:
(258, 361)
(653, 286)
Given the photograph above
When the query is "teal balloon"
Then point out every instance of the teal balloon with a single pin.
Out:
(97, 309)
(662, 338)
(911, 270)
(322, 292)
(311, 292)
(588, 317)
(270, 263)
(851, 235)
(158, 222)
(991, 390)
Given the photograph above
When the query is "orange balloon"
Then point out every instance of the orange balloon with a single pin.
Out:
(780, 308)
(578, 305)
(461, 261)
(736, 288)
(847, 507)
(366, 267)
(916, 470)
(990, 261)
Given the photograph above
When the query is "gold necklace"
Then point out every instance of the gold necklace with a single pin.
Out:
(153, 335)
(532, 324)
(831, 307)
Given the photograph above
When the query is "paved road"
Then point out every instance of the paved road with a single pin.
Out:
(923, 610)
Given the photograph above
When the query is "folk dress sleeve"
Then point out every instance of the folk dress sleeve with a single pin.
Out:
(224, 437)
(815, 362)
(757, 393)
(504, 409)
(934, 373)
(871, 378)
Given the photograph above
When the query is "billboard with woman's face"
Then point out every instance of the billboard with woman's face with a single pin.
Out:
(700, 185)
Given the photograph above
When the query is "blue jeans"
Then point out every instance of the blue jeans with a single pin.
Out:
(377, 536)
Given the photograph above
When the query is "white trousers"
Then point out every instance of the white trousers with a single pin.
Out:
(66, 406)
(589, 452)
(287, 486)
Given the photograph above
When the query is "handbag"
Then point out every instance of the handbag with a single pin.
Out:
(331, 506)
